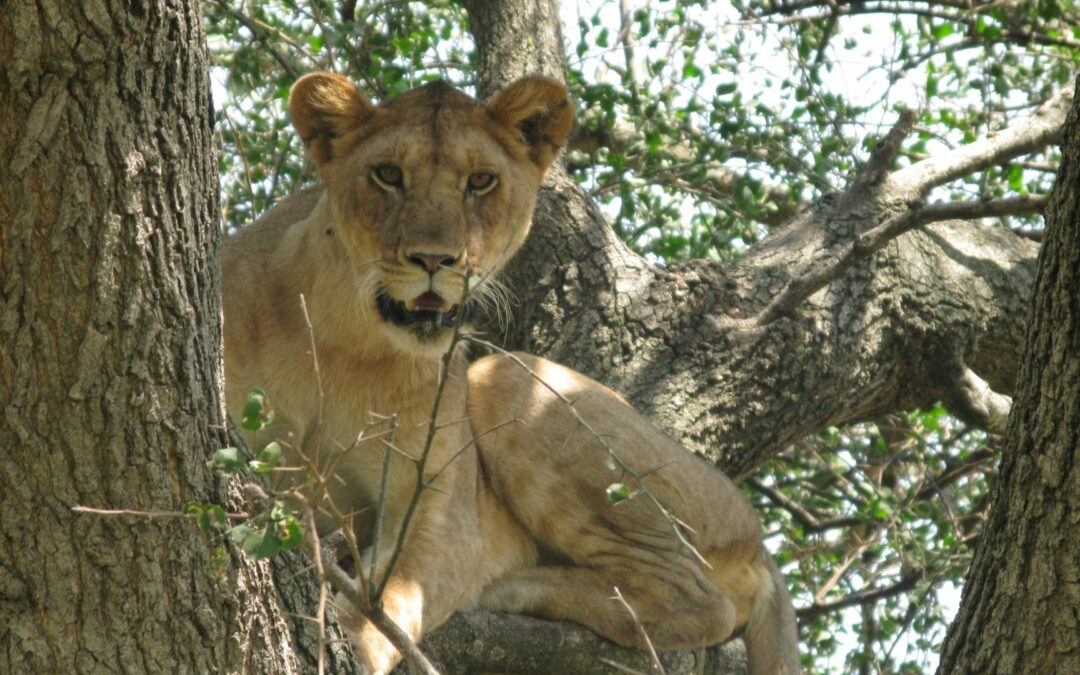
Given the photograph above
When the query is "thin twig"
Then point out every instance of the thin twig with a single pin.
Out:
(619, 666)
(644, 634)
(349, 588)
(320, 393)
(259, 29)
(149, 514)
(380, 509)
(471, 442)
(237, 137)
(863, 597)
(320, 569)
(421, 461)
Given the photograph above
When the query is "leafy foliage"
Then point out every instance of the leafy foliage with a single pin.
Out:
(266, 534)
(874, 522)
(703, 125)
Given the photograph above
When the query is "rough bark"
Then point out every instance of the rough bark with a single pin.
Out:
(1019, 609)
(515, 39)
(110, 354)
(483, 642)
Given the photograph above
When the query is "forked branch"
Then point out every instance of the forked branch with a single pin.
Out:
(831, 267)
(1043, 128)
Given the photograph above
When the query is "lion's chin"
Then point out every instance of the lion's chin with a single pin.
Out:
(430, 328)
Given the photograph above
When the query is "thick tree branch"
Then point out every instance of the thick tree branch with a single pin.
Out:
(1038, 131)
(489, 642)
(970, 398)
(1018, 611)
(670, 339)
(886, 150)
(871, 241)
(515, 39)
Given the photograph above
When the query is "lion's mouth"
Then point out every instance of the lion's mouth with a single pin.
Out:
(427, 313)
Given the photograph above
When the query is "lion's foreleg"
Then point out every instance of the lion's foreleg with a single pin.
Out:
(430, 578)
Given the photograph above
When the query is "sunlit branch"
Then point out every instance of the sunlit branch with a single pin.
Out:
(1041, 129)
(970, 398)
(872, 240)
(884, 153)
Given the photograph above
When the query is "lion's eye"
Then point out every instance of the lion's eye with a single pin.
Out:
(388, 177)
(481, 183)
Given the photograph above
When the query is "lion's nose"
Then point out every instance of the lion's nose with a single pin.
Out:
(431, 262)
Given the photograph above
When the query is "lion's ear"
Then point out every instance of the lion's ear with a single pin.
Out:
(324, 106)
(539, 107)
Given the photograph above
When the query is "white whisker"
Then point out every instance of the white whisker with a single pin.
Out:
(496, 299)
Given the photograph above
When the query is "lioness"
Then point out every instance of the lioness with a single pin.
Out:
(419, 193)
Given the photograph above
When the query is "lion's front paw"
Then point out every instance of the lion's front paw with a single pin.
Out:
(502, 597)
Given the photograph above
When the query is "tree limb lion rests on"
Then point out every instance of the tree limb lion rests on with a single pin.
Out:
(422, 194)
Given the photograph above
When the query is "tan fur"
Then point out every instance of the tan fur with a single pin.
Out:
(519, 520)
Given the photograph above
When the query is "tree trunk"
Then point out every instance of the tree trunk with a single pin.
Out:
(110, 353)
(1019, 609)
(515, 39)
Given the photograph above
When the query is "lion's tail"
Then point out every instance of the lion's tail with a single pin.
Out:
(771, 635)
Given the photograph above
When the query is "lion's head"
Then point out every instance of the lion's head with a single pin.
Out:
(429, 188)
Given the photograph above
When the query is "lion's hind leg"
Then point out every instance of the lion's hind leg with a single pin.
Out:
(672, 619)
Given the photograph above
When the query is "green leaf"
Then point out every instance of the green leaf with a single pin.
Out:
(257, 543)
(289, 534)
(1016, 177)
(209, 517)
(618, 492)
(943, 31)
(227, 461)
(257, 412)
(268, 458)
